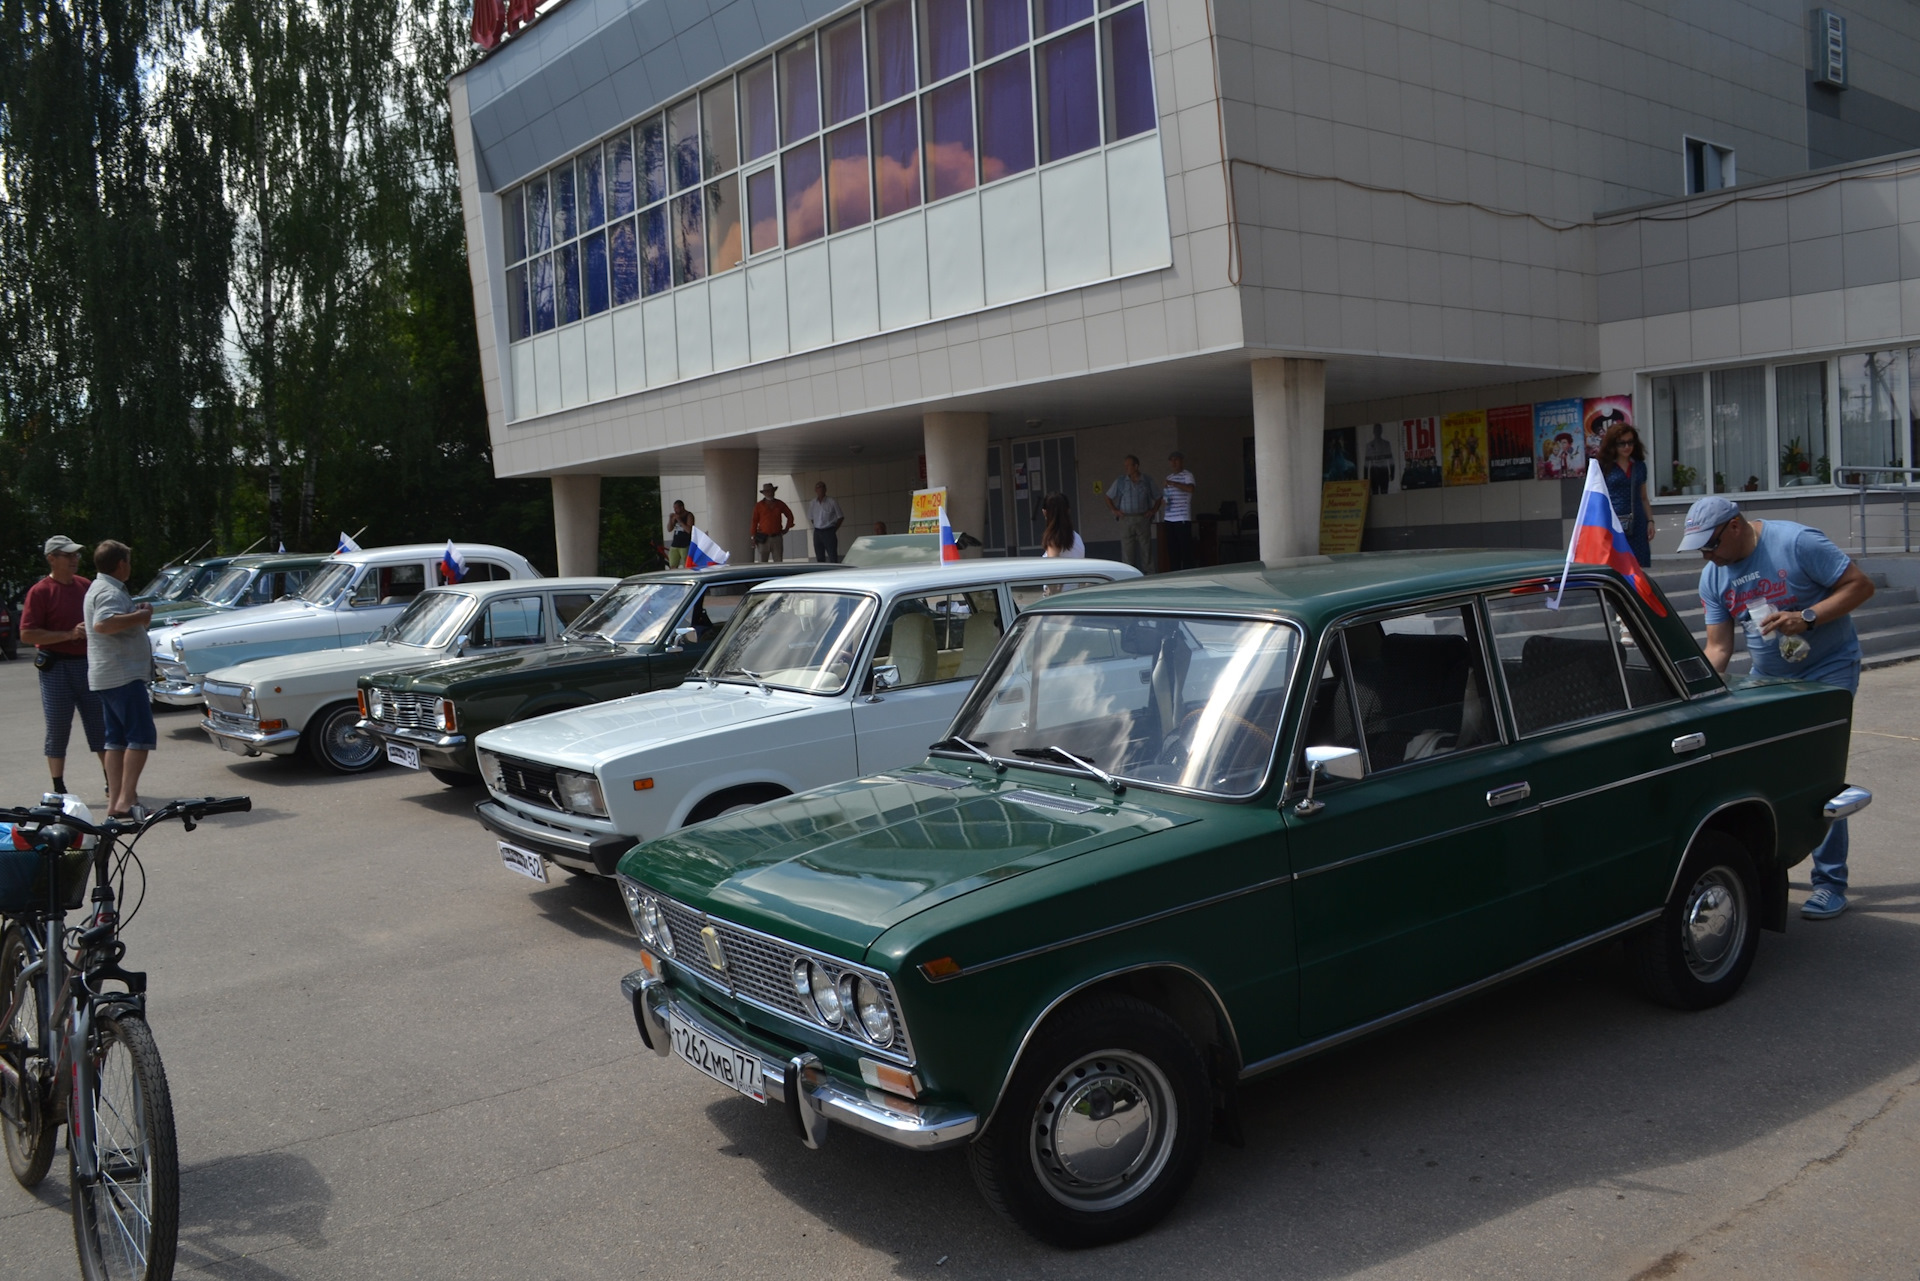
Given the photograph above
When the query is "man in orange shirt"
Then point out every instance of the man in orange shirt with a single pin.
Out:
(771, 521)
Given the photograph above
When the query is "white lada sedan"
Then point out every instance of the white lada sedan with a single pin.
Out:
(815, 680)
(277, 705)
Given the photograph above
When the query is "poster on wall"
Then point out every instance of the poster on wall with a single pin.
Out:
(1603, 412)
(1558, 451)
(1338, 454)
(1343, 515)
(926, 511)
(1380, 458)
(1510, 443)
(1420, 456)
(1463, 448)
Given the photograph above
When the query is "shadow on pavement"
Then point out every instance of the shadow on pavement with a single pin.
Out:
(235, 1208)
(1560, 1082)
(588, 906)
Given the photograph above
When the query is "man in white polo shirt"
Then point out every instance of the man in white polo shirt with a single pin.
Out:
(826, 518)
(1177, 494)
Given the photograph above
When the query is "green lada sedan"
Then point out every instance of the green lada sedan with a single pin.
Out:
(646, 633)
(1187, 830)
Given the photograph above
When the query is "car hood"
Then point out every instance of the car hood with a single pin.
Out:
(525, 661)
(258, 615)
(589, 737)
(837, 867)
(333, 667)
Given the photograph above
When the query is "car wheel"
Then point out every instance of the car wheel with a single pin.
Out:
(337, 742)
(732, 802)
(1699, 952)
(454, 777)
(1101, 1127)
(11, 649)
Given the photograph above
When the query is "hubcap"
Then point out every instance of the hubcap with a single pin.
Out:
(348, 746)
(1104, 1130)
(1714, 925)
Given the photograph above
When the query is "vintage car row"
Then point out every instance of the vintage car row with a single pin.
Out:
(1181, 833)
(344, 603)
(282, 704)
(815, 680)
(258, 579)
(647, 633)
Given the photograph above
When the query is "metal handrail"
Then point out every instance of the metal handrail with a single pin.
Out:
(1858, 480)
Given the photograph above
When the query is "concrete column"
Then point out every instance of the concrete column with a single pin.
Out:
(733, 482)
(956, 446)
(576, 524)
(1289, 413)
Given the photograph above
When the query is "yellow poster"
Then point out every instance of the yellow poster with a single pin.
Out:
(1343, 516)
(1463, 448)
(926, 510)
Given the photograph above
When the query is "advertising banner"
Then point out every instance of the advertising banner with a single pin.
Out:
(1603, 412)
(926, 510)
(1558, 449)
(1339, 458)
(1420, 461)
(1343, 515)
(1380, 458)
(1510, 443)
(1463, 448)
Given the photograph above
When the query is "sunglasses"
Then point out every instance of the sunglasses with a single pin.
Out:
(1719, 532)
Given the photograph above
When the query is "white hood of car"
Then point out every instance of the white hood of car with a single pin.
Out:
(197, 629)
(691, 719)
(329, 667)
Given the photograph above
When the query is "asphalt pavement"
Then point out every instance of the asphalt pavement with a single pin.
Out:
(392, 1058)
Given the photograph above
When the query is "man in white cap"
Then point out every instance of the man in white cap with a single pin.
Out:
(52, 621)
(1792, 590)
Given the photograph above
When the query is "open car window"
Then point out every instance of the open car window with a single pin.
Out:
(1571, 664)
(941, 637)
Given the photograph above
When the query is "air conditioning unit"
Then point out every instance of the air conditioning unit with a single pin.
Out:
(1829, 49)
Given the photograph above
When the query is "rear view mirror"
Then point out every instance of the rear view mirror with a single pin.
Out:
(1340, 762)
(885, 676)
(683, 637)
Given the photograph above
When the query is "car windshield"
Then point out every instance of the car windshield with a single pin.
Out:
(798, 640)
(162, 580)
(1181, 702)
(229, 587)
(328, 583)
(189, 584)
(631, 614)
(431, 620)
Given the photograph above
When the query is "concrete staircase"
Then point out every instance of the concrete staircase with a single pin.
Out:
(1889, 624)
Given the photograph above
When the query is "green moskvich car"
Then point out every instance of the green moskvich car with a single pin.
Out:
(646, 633)
(1190, 829)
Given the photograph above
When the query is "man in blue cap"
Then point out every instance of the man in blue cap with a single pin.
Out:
(1792, 590)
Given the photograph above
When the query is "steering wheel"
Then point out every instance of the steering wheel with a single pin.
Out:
(1175, 751)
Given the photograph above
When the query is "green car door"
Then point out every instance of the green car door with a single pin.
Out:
(1406, 879)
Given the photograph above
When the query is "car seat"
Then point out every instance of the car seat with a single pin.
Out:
(914, 650)
(981, 637)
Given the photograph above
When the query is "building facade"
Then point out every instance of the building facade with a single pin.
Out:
(995, 245)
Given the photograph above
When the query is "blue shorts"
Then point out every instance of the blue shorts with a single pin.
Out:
(129, 715)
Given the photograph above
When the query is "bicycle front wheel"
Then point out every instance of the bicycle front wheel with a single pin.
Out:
(28, 1126)
(127, 1219)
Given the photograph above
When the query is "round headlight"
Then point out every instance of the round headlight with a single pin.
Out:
(876, 1020)
(646, 914)
(826, 997)
(801, 977)
(376, 702)
(661, 933)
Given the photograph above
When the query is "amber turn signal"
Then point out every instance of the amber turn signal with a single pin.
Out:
(943, 967)
(643, 785)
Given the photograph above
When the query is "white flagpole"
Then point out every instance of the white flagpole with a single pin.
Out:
(1593, 472)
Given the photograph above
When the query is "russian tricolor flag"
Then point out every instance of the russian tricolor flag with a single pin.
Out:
(1599, 540)
(452, 563)
(949, 550)
(346, 544)
(703, 552)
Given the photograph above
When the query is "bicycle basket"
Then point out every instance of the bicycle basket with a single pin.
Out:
(23, 879)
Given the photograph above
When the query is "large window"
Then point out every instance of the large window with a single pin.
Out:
(902, 103)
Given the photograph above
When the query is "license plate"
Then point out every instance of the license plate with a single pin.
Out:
(525, 862)
(401, 754)
(733, 1068)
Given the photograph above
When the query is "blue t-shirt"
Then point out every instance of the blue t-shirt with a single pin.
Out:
(1792, 568)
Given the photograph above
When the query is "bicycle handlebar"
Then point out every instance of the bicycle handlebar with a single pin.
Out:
(189, 808)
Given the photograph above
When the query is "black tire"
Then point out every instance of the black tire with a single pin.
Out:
(739, 798)
(1097, 1059)
(30, 1143)
(127, 1222)
(1700, 950)
(336, 743)
(11, 648)
(454, 777)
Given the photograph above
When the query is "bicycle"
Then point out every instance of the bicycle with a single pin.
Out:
(73, 1050)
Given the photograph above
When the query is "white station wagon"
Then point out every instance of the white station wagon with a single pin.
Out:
(816, 680)
(278, 705)
(343, 604)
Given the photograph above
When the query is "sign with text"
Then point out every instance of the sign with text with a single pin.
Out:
(926, 510)
(1343, 516)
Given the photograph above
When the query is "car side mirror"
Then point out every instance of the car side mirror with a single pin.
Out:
(885, 676)
(683, 637)
(1340, 762)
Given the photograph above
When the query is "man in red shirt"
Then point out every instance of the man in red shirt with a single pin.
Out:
(50, 620)
(771, 521)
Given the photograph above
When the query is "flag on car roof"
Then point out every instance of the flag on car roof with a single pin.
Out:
(949, 550)
(1599, 540)
(704, 553)
(283, 549)
(452, 563)
(346, 544)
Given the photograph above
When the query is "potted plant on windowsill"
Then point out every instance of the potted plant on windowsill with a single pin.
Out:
(1797, 465)
(1684, 478)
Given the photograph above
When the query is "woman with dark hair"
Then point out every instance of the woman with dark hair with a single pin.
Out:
(1623, 462)
(1059, 538)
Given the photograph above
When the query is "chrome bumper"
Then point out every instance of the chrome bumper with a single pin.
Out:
(241, 742)
(1851, 800)
(557, 844)
(418, 737)
(811, 1097)
(184, 692)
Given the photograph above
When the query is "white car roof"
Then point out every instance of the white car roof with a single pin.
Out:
(429, 551)
(521, 586)
(980, 572)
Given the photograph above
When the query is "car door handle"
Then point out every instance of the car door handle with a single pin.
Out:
(1689, 743)
(1509, 794)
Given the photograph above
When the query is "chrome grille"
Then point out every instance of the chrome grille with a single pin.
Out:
(407, 711)
(225, 698)
(231, 721)
(533, 783)
(758, 970)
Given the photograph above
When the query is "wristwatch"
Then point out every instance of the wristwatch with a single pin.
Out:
(1806, 616)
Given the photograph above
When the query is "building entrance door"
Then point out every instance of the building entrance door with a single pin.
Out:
(1037, 467)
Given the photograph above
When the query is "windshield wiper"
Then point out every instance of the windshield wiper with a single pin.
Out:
(755, 677)
(999, 766)
(1081, 762)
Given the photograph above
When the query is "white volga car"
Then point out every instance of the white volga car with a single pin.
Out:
(815, 680)
(277, 705)
(342, 604)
